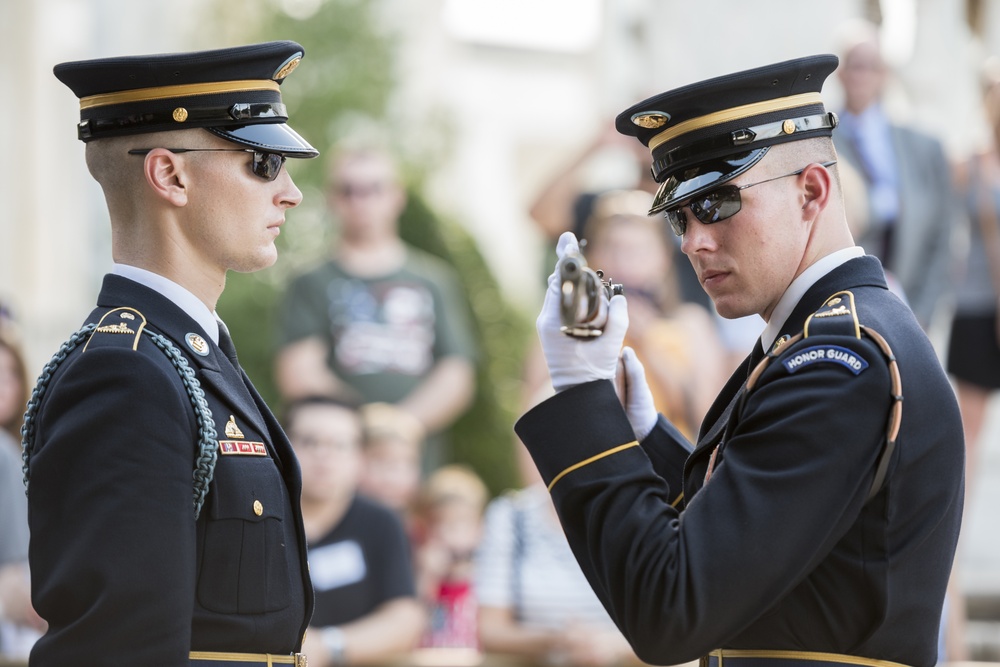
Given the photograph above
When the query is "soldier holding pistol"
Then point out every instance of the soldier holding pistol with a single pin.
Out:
(814, 521)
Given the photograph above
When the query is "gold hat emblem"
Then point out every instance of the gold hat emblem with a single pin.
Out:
(180, 114)
(788, 126)
(287, 67)
(232, 430)
(197, 344)
(651, 120)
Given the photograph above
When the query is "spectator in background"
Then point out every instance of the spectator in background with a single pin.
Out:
(534, 601)
(450, 517)
(676, 341)
(974, 348)
(366, 610)
(392, 453)
(20, 626)
(973, 356)
(379, 321)
(912, 208)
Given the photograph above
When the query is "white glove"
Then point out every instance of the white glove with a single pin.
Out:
(638, 400)
(573, 361)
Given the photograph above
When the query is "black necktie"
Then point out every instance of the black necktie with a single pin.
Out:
(226, 345)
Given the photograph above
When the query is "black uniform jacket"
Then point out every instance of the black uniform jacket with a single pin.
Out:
(780, 549)
(121, 570)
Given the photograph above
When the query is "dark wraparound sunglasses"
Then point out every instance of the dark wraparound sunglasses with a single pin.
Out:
(718, 204)
(265, 165)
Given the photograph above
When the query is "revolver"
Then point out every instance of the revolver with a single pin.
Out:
(583, 297)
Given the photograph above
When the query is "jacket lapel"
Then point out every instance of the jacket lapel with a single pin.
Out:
(215, 372)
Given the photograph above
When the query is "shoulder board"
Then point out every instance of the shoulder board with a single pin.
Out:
(837, 317)
(120, 327)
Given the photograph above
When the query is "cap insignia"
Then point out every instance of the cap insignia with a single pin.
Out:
(788, 127)
(651, 120)
(197, 344)
(232, 430)
(180, 114)
(287, 67)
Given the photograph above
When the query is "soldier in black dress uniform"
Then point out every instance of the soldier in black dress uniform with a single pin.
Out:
(815, 519)
(163, 495)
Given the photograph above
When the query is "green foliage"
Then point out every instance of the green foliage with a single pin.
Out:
(348, 72)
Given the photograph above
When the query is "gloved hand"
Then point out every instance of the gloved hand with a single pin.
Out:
(638, 399)
(573, 361)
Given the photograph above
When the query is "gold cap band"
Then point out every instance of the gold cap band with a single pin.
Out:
(735, 113)
(166, 92)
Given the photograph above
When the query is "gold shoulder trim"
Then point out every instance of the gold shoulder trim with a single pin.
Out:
(838, 305)
(125, 320)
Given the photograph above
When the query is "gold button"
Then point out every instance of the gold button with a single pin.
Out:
(180, 114)
(788, 126)
(258, 509)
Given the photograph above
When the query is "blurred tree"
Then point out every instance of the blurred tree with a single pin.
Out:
(348, 73)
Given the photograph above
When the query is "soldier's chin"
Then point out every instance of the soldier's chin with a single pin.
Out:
(262, 261)
(730, 310)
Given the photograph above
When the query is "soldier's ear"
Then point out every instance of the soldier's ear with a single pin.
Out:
(816, 190)
(166, 175)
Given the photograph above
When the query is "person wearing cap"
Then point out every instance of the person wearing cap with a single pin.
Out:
(814, 520)
(163, 495)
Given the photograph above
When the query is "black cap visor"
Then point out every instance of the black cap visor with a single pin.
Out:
(697, 179)
(271, 137)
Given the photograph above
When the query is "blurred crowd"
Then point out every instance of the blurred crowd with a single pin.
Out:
(411, 557)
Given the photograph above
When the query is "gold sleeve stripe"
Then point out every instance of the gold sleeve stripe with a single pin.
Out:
(183, 90)
(726, 115)
(596, 457)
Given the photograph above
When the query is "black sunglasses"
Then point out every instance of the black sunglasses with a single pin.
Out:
(265, 165)
(718, 204)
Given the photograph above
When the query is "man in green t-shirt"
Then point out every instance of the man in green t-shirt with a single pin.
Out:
(380, 321)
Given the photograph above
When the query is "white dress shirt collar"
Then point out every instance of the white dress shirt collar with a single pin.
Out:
(178, 295)
(798, 289)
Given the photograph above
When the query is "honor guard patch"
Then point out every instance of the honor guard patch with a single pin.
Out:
(817, 354)
(242, 448)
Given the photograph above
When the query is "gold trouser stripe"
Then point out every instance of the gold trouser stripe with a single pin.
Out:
(677, 500)
(597, 457)
(183, 90)
(722, 654)
(266, 658)
(726, 115)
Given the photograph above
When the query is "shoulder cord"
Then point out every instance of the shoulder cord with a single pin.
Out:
(208, 446)
(895, 412)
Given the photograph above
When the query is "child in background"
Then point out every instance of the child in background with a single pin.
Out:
(449, 516)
